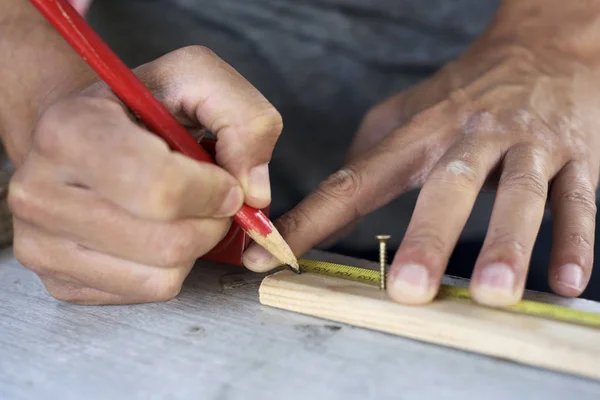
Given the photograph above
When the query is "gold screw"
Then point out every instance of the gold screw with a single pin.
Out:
(382, 259)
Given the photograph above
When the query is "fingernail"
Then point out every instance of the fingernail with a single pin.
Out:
(233, 201)
(410, 284)
(495, 286)
(257, 259)
(570, 275)
(498, 276)
(259, 185)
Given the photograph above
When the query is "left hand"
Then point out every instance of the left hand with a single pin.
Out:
(519, 110)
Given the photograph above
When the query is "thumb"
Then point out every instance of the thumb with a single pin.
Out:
(199, 88)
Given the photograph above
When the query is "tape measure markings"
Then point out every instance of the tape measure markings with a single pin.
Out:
(528, 307)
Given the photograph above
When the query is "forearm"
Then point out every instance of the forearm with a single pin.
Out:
(37, 66)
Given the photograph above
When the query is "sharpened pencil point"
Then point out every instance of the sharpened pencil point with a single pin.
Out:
(280, 250)
(297, 270)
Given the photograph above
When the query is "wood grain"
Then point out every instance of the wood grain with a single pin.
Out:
(454, 323)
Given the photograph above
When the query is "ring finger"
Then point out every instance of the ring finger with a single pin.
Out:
(82, 216)
(501, 269)
(573, 201)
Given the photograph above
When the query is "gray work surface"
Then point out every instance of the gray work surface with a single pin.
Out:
(216, 341)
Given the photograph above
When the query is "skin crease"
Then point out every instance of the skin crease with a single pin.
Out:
(517, 112)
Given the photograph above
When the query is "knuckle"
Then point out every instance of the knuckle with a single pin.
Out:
(427, 118)
(480, 121)
(63, 124)
(421, 118)
(188, 53)
(425, 237)
(584, 199)
(343, 187)
(182, 59)
(508, 244)
(525, 120)
(68, 293)
(165, 286)
(51, 133)
(531, 182)
(345, 183)
(519, 58)
(174, 247)
(27, 255)
(457, 97)
(265, 128)
(18, 198)
(293, 222)
(268, 123)
(22, 201)
(163, 193)
(62, 293)
(158, 75)
(460, 172)
(579, 240)
(465, 172)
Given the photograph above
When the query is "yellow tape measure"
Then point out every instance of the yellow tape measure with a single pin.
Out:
(529, 307)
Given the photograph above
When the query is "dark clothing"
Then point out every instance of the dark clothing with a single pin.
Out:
(323, 64)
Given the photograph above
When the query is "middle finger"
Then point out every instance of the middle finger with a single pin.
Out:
(82, 216)
(442, 209)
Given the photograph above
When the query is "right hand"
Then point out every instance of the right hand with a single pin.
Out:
(105, 213)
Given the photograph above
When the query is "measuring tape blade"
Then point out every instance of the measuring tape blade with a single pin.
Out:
(529, 307)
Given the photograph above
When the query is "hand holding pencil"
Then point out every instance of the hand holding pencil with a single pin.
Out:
(105, 212)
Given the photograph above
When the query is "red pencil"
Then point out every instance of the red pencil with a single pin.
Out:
(155, 116)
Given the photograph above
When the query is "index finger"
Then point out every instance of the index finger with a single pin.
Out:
(400, 162)
(91, 143)
(198, 86)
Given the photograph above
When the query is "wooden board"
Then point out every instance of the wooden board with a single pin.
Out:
(454, 323)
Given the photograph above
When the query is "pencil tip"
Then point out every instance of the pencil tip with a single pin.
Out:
(295, 268)
(276, 245)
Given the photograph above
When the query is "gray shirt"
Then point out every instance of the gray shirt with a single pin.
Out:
(322, 63)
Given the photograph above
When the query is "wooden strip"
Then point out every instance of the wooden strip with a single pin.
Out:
(455, 323)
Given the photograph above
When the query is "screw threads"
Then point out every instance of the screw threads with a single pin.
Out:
(382, 259)
(382, 262)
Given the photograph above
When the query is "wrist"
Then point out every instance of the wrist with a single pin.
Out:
(41, 69)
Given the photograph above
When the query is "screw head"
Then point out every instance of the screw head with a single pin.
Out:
(382, 237)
